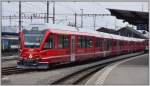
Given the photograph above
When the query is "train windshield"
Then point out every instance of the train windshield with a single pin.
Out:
(32, 38)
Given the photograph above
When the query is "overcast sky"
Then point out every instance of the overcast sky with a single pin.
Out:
(72, 7)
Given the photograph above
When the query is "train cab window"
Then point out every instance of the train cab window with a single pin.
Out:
(49, 42)
(63, 41)
(98, 42)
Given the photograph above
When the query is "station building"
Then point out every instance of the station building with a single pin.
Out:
(130, 32)
(107, 30)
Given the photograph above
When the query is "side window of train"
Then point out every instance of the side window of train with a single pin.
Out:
(49, 42)
(98, 42)
(66, 40)
(89, 42)
(63, 41)
(104, 44)
(81, 42)
(108, 43)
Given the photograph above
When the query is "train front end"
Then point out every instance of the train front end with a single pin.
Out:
(30, 42)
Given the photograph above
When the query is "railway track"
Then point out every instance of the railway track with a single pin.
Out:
(5, 60)
(13, 70)
(80, 76)
(9, 57)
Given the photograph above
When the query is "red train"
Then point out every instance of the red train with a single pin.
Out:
(44, 44)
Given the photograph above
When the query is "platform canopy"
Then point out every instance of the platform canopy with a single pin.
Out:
(136, 18)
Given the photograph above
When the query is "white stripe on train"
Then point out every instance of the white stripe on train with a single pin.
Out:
(76, 55)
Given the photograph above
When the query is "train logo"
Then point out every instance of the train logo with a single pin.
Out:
(30, 56)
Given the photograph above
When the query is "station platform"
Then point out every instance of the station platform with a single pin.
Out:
(131, 71)
(8, 61)
(7, 58)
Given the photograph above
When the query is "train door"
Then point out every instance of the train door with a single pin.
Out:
(72, 59)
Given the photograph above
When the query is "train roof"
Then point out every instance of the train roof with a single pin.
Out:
(55, 28)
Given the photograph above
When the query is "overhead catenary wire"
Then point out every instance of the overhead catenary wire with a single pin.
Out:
(29, 6)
